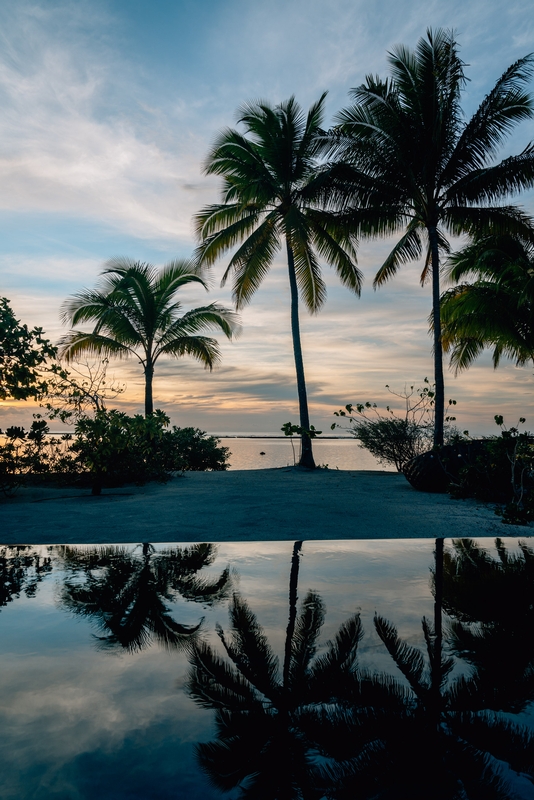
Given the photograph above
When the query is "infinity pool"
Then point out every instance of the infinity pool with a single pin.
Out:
(298, 670)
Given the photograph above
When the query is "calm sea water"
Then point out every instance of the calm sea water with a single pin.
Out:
(336, 453)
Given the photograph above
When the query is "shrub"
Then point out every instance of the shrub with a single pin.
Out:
(116, 448)
(111, 448)
(197, 450)
(502, 472)
(27, 454)
(393, 438)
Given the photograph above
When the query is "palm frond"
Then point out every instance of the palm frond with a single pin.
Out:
(408, 248)
(77, 344)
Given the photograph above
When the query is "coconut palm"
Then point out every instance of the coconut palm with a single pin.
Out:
(414, 165)
(136, 314)
(126, 595)
(275, 196)
(496, 308)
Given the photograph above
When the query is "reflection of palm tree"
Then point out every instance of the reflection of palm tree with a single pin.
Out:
(431, 736)
(125, 595)
(262, 710)
(21, 569)
(491, 602)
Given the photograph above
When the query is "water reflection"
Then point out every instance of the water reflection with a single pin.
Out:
(324, 727)
(125, 594)
(390, 706)
(21, 570)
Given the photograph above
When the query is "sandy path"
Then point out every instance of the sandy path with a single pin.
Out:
(274, 504)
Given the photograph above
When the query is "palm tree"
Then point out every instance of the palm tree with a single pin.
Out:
(275, 195)
(126, 595)
(496, 309)
(414, 165)
(136, 314)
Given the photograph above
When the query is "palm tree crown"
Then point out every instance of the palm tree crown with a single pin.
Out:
(274, 195)
(496, 309)
(136, 314)
(415, 165)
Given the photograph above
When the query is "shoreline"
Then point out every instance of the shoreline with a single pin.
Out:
(277, 504)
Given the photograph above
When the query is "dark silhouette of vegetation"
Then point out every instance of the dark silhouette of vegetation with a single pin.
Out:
(275, 196)
(495, 309)
(490, 602)
(125, 594)
(393, 438)
(136, 314)
(412, 163)
(21, 570)
(23, 352)
(261, 706)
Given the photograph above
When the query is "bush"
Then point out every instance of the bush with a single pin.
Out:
(24, 455)
(502, 472)
(109, 448)
(395, 439)
(197, 450)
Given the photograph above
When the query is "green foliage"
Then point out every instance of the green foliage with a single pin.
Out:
(22, 352)
(502, 472)
(394, 439)
(494, 310)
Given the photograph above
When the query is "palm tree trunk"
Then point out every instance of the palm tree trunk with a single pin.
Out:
(439, 400)
(306, 455)
(149, 374)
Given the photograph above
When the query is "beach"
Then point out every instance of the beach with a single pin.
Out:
(246, 506)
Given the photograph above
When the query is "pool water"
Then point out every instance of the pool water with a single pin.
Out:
(270, 669)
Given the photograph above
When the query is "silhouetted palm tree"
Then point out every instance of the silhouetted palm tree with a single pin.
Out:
(126, 595)
(495, 309)
(136, 314)
(275, 196)
(417, 166)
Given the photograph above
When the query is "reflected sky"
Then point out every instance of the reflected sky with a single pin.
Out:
(80, 722)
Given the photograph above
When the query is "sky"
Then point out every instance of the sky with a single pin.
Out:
(109, 108)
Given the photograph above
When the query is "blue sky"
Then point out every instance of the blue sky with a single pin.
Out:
(108, 110)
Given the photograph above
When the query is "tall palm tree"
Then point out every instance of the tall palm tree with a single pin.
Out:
(275, 196)
(496, 309)
(136, 314)
(414, 165)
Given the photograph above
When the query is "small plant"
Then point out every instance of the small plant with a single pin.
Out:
(291, 430)
(390, 437)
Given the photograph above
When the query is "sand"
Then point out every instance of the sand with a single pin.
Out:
(246, 506)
